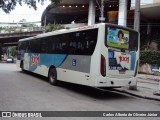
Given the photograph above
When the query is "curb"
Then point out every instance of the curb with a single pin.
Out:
(129, 93)
(140, 96)
(156, 93)
(151, 79)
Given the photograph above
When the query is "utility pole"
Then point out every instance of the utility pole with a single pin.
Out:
(137, 16)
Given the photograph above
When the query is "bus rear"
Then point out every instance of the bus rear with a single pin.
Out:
(119, 57)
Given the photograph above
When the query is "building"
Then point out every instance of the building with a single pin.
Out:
(150, 25)
(74, 11)
(69, 11)
(150, 9)
(150, 13)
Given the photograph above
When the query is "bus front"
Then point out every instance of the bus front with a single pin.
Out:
(119, 57)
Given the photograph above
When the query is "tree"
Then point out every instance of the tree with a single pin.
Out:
(25, 24)
(13, 51)
(23, 21)
(8, 5)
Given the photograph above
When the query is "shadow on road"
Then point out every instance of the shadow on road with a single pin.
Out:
(92, 92)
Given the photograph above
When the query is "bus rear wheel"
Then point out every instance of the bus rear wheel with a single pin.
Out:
(53, 76)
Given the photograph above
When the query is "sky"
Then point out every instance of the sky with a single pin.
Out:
(24, 12)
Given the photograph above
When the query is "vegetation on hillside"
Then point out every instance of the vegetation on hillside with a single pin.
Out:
(53, 27)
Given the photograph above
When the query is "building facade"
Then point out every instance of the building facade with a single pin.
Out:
(70, 10)
(150, 22)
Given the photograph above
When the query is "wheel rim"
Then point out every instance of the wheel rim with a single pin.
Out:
(52, 77)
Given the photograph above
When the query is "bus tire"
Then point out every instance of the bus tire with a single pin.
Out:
(52, 76)
(22, 66)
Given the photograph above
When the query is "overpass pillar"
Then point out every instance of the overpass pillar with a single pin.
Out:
(122, 16)
(91, 15)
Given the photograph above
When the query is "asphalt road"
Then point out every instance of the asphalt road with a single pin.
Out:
(29, 92)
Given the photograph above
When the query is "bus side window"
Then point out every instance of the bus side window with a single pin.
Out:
(53, 47)
(72, 48)
(58, 48)
(35, 46)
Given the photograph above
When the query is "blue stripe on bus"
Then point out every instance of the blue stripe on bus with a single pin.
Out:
(52, 59)
(47, 60)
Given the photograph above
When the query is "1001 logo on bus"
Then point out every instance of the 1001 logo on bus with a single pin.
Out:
(35, 59)
(123, 59)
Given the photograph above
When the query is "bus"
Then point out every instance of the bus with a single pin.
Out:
(101, 55)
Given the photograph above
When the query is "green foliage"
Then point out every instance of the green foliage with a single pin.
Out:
(23, 21)
(7, 27)
(28, 25)
(13, 28)
(53, 27)
(8, 5)
(147, 39)
(150, 57)
(13, 51)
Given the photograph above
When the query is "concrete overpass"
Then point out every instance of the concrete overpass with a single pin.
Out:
(9, 37)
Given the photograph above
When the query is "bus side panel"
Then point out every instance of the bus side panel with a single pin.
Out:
(75, 69)
(40, 63)
(72, 76)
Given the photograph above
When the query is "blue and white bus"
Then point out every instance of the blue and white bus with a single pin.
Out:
(102, 55)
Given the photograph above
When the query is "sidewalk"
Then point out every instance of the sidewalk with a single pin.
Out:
(147, 86)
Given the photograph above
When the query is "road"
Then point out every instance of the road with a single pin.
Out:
(29, 92)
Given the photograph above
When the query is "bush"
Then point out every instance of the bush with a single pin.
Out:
(150, 57)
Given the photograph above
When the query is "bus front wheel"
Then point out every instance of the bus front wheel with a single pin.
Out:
(22, 66)
(53, 76)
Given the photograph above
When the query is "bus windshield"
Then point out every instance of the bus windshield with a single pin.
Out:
(121, 38)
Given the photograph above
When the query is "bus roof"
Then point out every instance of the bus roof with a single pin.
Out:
(62, 31)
